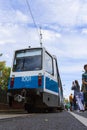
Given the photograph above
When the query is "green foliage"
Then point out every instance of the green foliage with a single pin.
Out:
(4, 77)
(66, 100)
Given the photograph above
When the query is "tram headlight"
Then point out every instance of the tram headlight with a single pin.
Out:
(39, 79)
(12, 82)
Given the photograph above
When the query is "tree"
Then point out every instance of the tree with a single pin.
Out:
(4, 75)
(66, 100)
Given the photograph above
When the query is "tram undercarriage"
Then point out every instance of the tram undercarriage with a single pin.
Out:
(35, 100)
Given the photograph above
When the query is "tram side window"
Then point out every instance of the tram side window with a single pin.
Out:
(55, 69)
(48, 63)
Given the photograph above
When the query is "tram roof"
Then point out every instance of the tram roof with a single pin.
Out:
(31, 48)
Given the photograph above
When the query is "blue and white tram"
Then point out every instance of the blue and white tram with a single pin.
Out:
(35, 78)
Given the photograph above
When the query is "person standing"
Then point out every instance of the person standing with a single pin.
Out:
(78, 96)
(81, 97)
(76, 88)
(84, 85)
(71, 101)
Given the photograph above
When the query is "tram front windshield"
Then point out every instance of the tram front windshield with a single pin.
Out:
(27, 60)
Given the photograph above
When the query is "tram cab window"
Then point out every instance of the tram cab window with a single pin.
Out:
(48, 63)
(27, 60)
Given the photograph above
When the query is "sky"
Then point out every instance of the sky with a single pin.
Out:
(64, 30)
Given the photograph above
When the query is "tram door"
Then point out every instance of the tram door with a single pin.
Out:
(51, 82)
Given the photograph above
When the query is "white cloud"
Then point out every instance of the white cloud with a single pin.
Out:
(84, 31)
(71, 68)
(62, 12)
(14, 16)
(71, 45)
(21, 17)
(50, 35)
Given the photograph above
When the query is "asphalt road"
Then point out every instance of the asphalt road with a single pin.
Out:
(84, 114)
(45, 121)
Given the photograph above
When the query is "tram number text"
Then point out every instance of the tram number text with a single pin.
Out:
(26, 78)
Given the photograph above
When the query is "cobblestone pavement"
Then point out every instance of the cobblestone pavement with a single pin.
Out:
(45, 121)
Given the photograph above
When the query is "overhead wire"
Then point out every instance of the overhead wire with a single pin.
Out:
(38, 30)
(29, 8)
